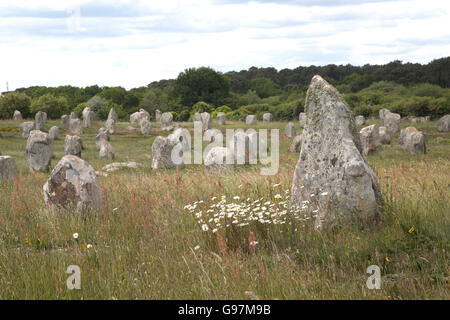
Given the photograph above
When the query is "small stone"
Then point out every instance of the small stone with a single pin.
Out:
(17, 115)
(106, 150)
(8, 168)
(54, 132)
(250, 119)
(267, 117)
(290, 130)
(39, 150)
(370, 139)
(73, 145)
(25, 128)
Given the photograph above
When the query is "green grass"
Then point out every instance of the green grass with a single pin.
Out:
(145, 245)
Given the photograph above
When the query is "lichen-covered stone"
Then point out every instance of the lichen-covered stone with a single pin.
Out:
(102, 135)
(370, 139)
(296, 144)
(221, 118)
(110, 125)
(392, 122)
(216, 160)
(75, 126)
(8, 168)
(54, 132)
(250, 119)
(39, 150)
(385, 138)
(73, 145)
(360, 120)
(267, 117)
(73, 183)
(17, 115)
(413, 140)
(113, 115)
(206, 121)
(162, 153)
(88, 117)
(106, 150)
(40, 119)
(25, 128)
(302, 119)
(146, 127)
(289, 131)
(166, 121)
(65, 121)
(332, 175)
(157, 115)
(443, 124)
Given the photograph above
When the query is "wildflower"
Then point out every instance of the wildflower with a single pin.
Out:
(89, 246)
(196, 247)
(205, 227)
(75, 235)
(115, 209)
(214, 230)
(324, 193)
(410, 231)
(236, 197)
(387, 259)
(213, 198)
(277, 196)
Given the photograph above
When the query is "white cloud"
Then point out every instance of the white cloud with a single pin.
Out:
(131, 43)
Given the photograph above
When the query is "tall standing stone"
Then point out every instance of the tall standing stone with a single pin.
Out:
(8, 168)
(25, 128)
(110, 125)
(88, 117)
(75, 126)
(382, 113)
(73, 145)
(65, 119)
(106, 150)
(443, 124)
(413, 140)
(332, 175)
(162, 153)
(385, 138)
(146, 127)
(166, 121)
(302, 119)
(370, 139)
(73, 183)
(54, 132)
(113, 115)
(157, 115)
(290, 130)
(360, 120)
(206, 121)
(17, 115)
(392, 122)
(102, 135)
(267, 117)
(296, 144)
(40, 118)
(250, 119)
(221, 118)
(39, 150)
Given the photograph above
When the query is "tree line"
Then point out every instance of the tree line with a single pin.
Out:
(406, 88)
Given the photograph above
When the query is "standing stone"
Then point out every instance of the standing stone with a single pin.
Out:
(39, 150)
(53, 132)
(110, 125)
(290, 130)
(302, 119)
(75, 126)
(359, 120)
(382, 113)
(296, 144)
(8, 168)
(157, 115)
(166, 121)
(102, 135)
(146, 127)
(206, 121)
(216, 160)
(25, 128)
(250, 119)
(17, 115)
(73, 145)
(162, 153)
(332, 176)
(144, 115)
(385, 138)
(106, 150)
(88, 117)
(392, 122)
(370, 139)
(267, 117)
(443, 124)
(73, 115)
(113, 115)
(73, 182)
(137, 117)
(413, 140)
(40, 118)
(222, 118)
(197, 117)
(65, 119)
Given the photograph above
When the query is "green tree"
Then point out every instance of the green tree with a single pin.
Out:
(55, 107)
(202, 84)
(264, 87)
(12, 101)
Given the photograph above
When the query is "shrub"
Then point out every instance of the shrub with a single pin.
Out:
(183, 116)
(225, 109)
(12, 101)
(102, 113)
(55, 107)
(202, 107)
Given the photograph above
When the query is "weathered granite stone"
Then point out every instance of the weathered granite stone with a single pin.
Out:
(302, 119)
(73, 145)
(162, 153)
(222, 118)
(8, 168)
(382, 113)
(113, 115)
(392, 122)
(289, 131)
(25, 128)
(146, 127)
(250, 119)
(157, 115)
(65, 121)
(40, 118)
(296, 144)
(360, 120)
(102, 135)
(17, 115)
(413, 140)
(75, 126)
(88, 117)
(267, 117)
(370, 139)
(443, 124)
(385, 138)
(166, 121)
(216, 160)
(106, 150)
(73, 183)
(54, 132)
(39, 150)
(332, 175)
(110, 125)
(206, 121)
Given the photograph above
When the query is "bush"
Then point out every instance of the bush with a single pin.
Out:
(78, 110)
(202, 107)
(224, 109)
(103, 112)
(183, 116)
(12, 101)
(427, 90)
(55, 107)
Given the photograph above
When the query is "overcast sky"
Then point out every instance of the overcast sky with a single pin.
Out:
(131, 43)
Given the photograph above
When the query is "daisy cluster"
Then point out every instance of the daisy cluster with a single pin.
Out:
(220, 212)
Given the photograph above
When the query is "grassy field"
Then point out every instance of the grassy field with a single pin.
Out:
(149, 239)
